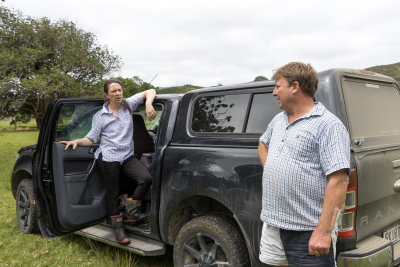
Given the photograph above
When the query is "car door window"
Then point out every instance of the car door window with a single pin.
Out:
(75, 121)
(141, 110)
(264, 108)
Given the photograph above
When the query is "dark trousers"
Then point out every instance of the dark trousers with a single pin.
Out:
(133, 169)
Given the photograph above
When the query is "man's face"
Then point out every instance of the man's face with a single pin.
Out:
(114, 93)
(283, 93)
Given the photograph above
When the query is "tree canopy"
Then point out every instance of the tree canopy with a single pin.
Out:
(41, 60)
(178, 89)
(260, 78)
(130, 86)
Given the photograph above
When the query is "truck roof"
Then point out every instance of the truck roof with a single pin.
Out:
(272, 83)
(169, 95)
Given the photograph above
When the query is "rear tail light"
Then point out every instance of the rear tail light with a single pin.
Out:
(347, 219)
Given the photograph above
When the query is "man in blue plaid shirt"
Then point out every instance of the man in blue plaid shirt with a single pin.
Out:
(305, 153)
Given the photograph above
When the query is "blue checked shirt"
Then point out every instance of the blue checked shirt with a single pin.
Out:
(300, 157)
(116, 140)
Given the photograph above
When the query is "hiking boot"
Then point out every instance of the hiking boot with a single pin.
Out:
(134, 211)
(119, 230)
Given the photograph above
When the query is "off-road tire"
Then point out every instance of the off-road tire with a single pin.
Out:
(26, 208)
(218, 231)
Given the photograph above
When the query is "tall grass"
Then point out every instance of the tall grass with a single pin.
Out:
(18, 249)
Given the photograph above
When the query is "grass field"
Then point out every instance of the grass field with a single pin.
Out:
(5, 125)
(18, 249)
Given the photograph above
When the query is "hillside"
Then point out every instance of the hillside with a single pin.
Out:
(391, 70)
(178, 89)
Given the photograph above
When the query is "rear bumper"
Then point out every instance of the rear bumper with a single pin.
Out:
(372, 251)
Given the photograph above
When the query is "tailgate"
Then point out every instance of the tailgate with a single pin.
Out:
(373, 113)
(378, 203)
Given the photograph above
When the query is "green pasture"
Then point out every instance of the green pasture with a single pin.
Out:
(5, 125)
(18, 249)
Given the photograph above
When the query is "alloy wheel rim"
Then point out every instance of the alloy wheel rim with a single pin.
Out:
(24, 208)
(202, 250)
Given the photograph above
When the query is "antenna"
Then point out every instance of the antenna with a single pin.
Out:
(153, 79)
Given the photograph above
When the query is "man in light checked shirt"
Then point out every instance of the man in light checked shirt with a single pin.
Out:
(305, 153)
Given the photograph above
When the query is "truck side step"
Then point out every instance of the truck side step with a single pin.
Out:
(396, 251)
(139, 244)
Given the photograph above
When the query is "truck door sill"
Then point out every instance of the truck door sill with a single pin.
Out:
(139, 244)
(396, 251)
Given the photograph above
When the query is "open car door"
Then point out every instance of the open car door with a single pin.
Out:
(69, 188)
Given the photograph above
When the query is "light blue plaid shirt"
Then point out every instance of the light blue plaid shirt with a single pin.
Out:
(300, 157)
(116, 140)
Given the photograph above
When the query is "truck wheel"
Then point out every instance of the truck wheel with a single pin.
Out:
(26, 208)
(211, 240)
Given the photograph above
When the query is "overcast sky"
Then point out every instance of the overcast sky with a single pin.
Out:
(226, 41)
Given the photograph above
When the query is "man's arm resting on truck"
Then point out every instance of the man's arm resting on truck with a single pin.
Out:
(262, 152)
(80, 142)
(335, 196)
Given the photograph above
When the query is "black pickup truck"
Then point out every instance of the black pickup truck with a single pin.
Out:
(205, 199)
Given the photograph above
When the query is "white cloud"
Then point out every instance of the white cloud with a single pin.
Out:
(210, 42)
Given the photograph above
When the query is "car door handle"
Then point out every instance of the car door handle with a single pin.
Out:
(92, 150)
(396, 163)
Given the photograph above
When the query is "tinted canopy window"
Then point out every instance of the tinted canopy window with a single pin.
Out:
(263, 109)
(221, 113)
(373, 109)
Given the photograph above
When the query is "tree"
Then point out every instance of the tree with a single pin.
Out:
(130, 86)
(41, 60)
(219, 84)
(178, 89)
(20, 118)
(260, 78)
(134, 85)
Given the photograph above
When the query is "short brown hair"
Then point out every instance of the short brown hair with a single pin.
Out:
(302, 73)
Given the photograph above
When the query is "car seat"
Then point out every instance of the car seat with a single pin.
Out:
(143, 142)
